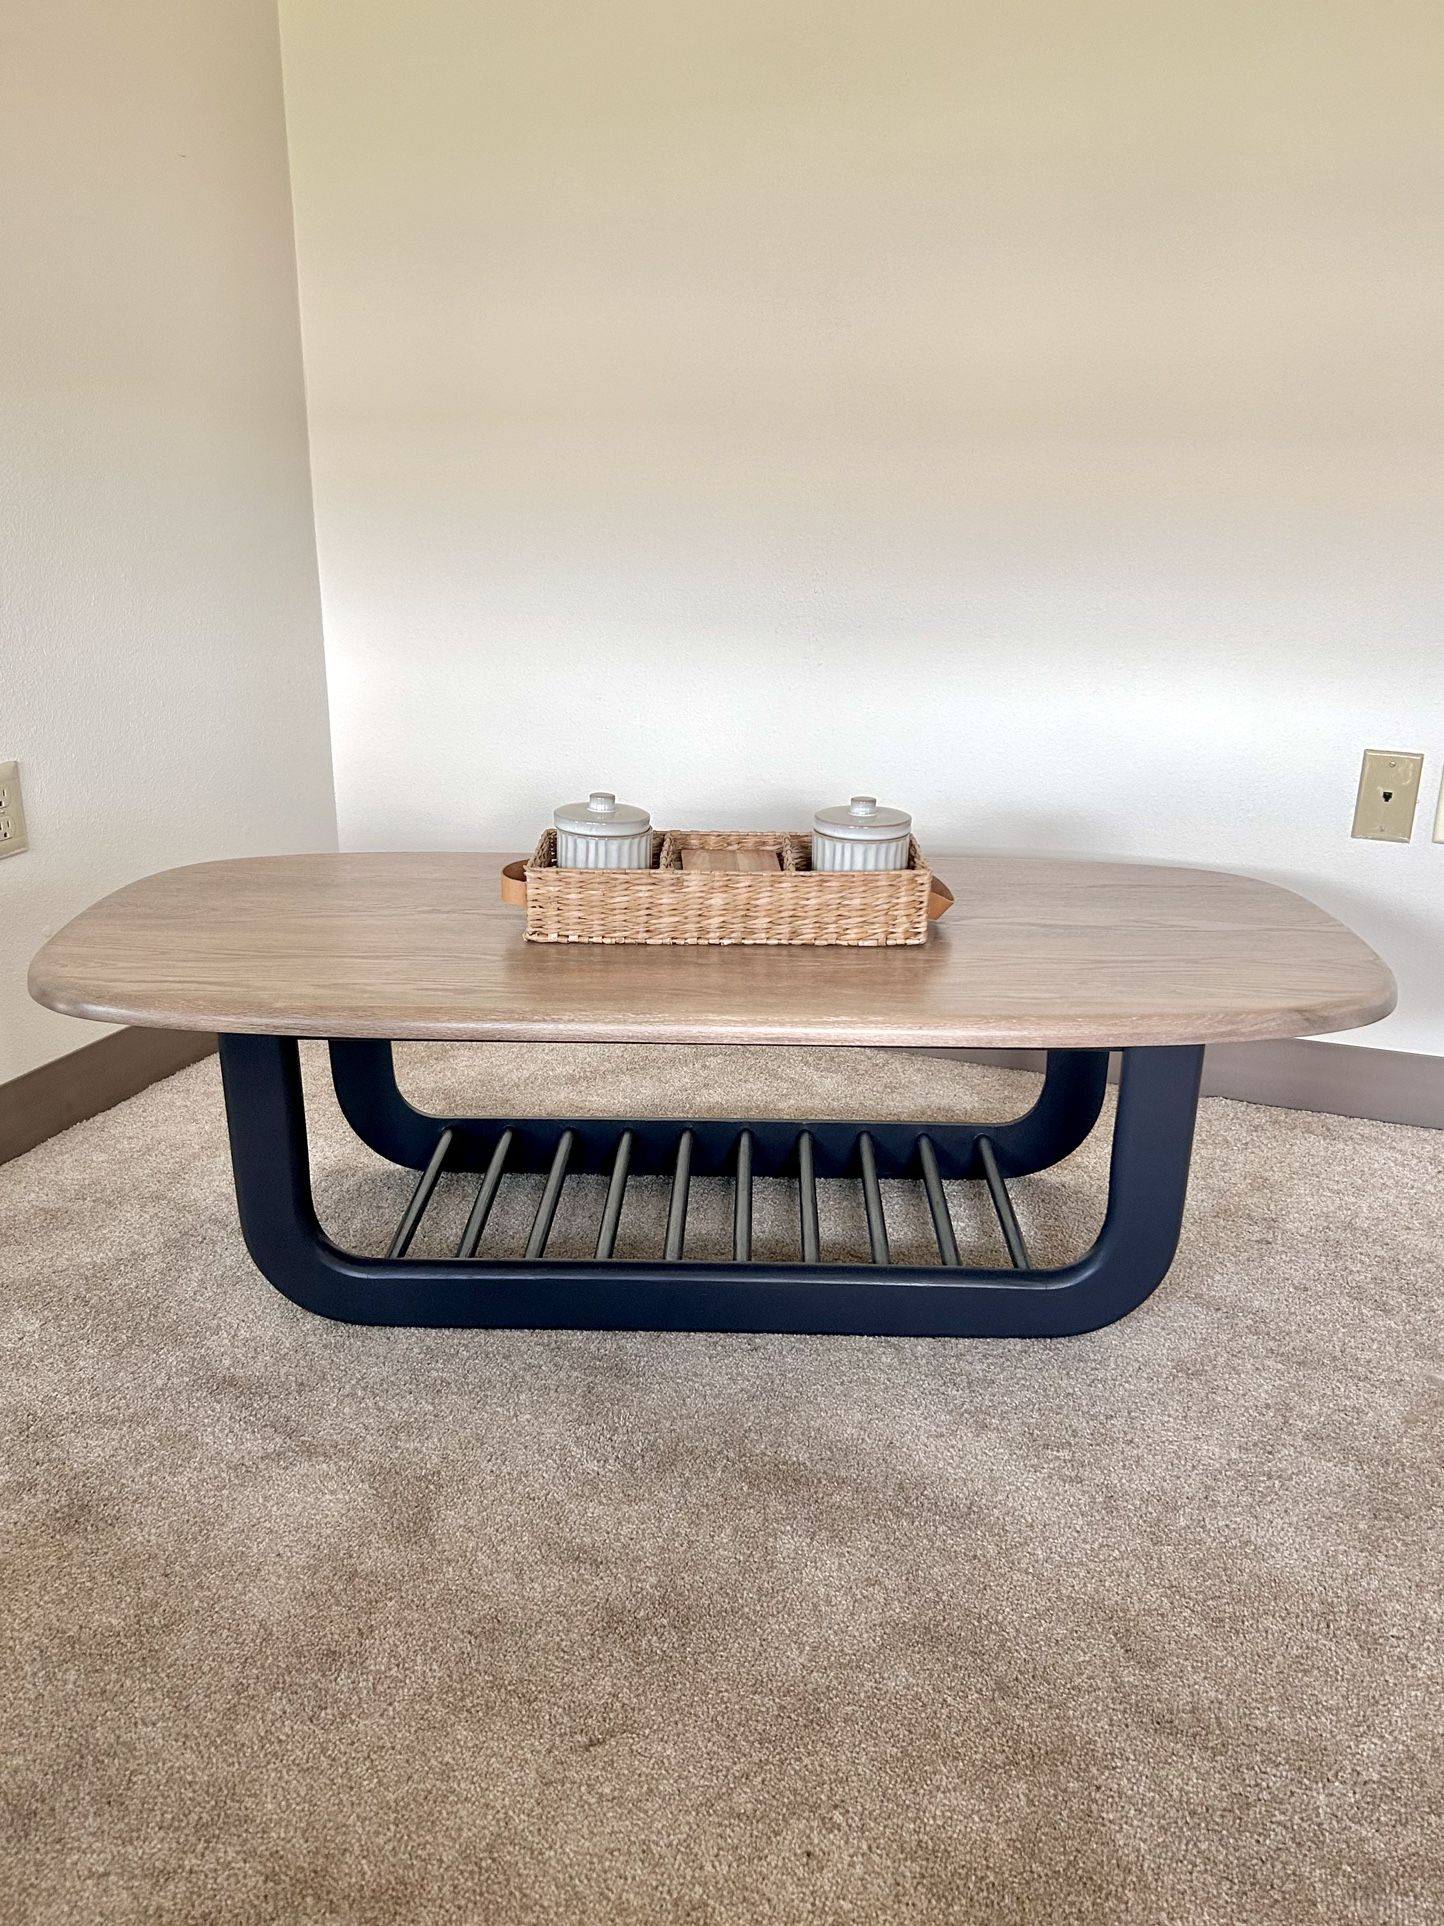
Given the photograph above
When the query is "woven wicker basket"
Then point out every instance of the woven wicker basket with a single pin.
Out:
(667, 904)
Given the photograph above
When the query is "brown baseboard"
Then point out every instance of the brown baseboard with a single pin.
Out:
(1389, 1086)
(1344, 1079)
(1341, 1079)
(50, 1099)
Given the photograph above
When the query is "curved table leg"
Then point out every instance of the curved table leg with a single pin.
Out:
(1062, 1118)
(1147, 1183)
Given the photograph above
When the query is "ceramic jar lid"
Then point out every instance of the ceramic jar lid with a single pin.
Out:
(863, 820)
(602, 815)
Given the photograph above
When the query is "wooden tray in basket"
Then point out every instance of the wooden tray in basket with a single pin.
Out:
(669, 904)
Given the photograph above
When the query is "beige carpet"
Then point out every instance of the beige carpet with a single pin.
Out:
(305, 1623)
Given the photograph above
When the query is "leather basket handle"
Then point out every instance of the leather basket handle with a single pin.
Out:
(940, 899)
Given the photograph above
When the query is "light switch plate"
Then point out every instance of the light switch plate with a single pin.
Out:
(12, 811)
(1388, 795)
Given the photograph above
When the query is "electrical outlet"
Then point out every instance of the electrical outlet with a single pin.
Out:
(12, 811)
(1388, 795)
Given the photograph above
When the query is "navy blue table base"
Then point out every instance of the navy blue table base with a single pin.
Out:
(1152, 1140)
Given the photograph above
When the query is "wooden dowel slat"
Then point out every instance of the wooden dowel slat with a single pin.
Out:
(872, 1200)
(546, 1210)
(616, 1196)
(485, 1196)
(1003, 1205)
(677, 1206)
(420, 1197)
(807, 1197)
(742, 1201)
(937, 1202)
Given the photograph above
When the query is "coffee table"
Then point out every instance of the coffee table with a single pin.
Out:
(1074, 958)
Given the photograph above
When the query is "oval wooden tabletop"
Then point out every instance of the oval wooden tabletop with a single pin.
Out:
(1038, 951)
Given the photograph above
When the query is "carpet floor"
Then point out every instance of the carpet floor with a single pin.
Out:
(332, 1626)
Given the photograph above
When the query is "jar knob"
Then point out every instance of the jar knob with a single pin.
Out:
(602, 802)
(862, 806)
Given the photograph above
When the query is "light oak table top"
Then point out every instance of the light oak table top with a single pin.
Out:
(1039, 951)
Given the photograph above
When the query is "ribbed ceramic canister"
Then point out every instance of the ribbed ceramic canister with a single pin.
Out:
(861, 836)
(602, 833)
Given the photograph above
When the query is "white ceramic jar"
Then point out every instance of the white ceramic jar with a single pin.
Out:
(861, 836)
(602, 833)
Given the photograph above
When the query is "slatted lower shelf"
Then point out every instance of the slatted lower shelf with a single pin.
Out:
(729, 1151)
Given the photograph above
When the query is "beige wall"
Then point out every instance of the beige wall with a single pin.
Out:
(161, 674)
(1028, 412)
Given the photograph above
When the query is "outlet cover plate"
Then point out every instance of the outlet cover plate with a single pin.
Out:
(1388, 795)
(12, 811)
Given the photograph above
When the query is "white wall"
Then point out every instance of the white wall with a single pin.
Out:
(1028, 412)
(161, 672)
